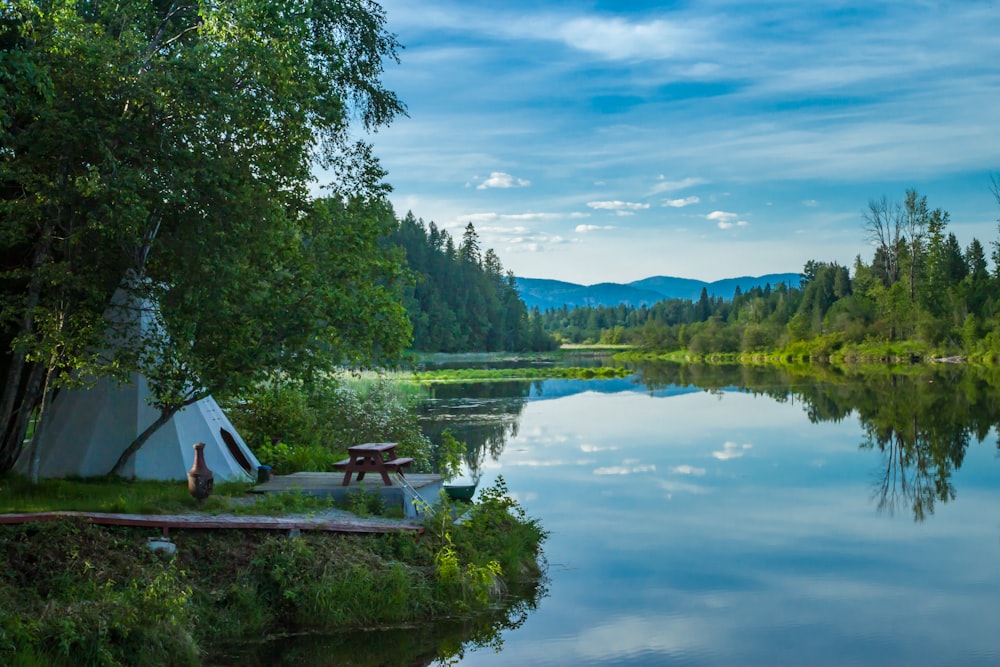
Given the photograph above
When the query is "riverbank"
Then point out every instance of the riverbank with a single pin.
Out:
(80, 593)
(830, 350)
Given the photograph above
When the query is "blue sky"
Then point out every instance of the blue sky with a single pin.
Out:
(611, 141)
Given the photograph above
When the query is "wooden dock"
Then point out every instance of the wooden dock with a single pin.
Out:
(331, 484)
(308, 483)
(164, 522)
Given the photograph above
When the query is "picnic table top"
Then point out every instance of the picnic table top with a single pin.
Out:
(373, 447)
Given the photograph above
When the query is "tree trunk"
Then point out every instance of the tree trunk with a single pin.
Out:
(17, 425)
(140, 440)
(18, 400)
(43, 422)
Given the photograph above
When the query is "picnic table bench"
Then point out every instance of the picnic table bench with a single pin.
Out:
(377, 457)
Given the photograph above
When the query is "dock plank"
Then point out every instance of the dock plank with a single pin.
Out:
(338, 524)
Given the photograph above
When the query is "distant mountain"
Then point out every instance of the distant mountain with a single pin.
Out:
(548, 294)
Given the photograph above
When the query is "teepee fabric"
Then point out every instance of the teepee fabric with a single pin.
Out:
(88, 429)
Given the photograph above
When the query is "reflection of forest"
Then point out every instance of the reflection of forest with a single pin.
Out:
(920, 419)
(439, 643)
(483, 415)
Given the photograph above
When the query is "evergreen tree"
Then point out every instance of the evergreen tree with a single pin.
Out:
(463, 300)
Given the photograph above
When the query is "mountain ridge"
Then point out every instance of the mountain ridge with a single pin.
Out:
(548, 294)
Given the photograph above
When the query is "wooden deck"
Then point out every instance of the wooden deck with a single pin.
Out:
(331, 483)
(164, 522)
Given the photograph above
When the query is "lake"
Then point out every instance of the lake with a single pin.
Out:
(748, 516)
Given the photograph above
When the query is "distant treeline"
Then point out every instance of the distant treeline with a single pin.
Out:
(463, 300)
(921, 286)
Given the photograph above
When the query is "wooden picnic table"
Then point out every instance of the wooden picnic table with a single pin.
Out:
(377, 457)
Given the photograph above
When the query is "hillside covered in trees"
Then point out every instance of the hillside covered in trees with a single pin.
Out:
(462, 299)
(920, 286)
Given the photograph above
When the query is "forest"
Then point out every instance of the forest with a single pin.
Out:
(920, 291)
(461, 299)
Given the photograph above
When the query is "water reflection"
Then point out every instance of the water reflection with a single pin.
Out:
(728, 515)
(443, 643)
(483, 415)
(920, 420)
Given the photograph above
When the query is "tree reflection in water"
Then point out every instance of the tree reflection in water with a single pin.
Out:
(442, 643)
(921, 419)
(483, 415)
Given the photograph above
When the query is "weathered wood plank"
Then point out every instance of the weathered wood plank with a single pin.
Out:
(222, 522)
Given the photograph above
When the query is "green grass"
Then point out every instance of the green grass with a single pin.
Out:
(508, 374)
(116, 495)
(17, 494)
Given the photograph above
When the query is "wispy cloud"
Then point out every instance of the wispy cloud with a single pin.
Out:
(663, 185)
(726, 220)
(731, 450)
(620, 208)
(582, 229)
(620, 39)
(688, 470)
(625, 469)
(819, 102)
(597, 448)
(499, 179)
(486, 218)
(681, 203)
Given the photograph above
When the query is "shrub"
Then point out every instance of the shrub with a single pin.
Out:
(294, 425)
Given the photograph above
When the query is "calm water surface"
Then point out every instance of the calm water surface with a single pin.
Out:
(793, 525)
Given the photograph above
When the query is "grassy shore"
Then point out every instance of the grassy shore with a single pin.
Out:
(76, 593)
(508, 374)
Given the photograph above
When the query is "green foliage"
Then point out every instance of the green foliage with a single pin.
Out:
(309, 425)
(506, 374)
(495, 530)
(463, 300)
(450, 454)
(89, 606)
(175, 144)
(17, 494)
(78, 593)
(365, 503)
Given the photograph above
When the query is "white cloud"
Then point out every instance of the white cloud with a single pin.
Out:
(812, 203)
(597, 448)
(619, 39)
(663, 185)
(620, 206)
(582, 229)
(479, 218)
(672, 487)
(499, 179)
(681, 203)
(731, 450)
(688, 470)
(536, 463)
(625, 470)
(726, 220)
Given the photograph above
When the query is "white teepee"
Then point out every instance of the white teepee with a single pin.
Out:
(88, 429)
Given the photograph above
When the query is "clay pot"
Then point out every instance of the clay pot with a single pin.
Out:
(200, 478)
